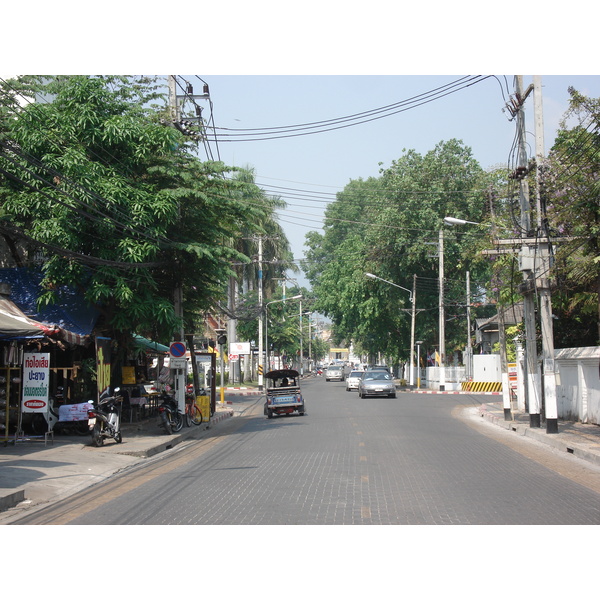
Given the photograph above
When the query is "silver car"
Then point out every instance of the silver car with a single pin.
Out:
(352, 380)
(334, 373)
(376, 383)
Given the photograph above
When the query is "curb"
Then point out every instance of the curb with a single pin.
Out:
(424, 391)
(563, 442)
(11, 499)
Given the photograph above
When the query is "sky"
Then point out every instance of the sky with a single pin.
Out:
(307, 170)
(269, 67)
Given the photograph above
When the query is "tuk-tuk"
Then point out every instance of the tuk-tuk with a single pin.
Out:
(283, 393)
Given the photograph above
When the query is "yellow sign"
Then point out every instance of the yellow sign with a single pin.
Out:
(128, 375)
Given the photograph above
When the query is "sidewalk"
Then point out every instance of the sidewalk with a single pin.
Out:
(34, 473)
(579, 439)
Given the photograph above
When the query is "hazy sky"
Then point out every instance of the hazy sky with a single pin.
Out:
(307, 170)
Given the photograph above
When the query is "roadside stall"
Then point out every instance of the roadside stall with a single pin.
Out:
(56, 339)
(140, 376)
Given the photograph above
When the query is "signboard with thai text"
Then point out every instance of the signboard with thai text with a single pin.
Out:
(36, 382)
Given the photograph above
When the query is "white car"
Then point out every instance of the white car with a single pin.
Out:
(352, 380)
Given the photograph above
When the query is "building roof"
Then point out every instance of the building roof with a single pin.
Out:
(513, 314)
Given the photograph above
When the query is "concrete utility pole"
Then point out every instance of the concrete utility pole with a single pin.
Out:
(411, 378)
(442, 313)
(501, 334)
(178, 291)
(469, 350)
(527, 267)
(260, 315)
(542, 269)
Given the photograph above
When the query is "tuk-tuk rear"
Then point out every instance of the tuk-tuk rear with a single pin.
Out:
(283, 393)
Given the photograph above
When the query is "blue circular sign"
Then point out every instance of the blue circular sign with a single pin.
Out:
(177, 349)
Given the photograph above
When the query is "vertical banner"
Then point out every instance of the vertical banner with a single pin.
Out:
(103, 364)
(36, 382)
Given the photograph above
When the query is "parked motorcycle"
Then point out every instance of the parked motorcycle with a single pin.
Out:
(104, 420)
(170, 417)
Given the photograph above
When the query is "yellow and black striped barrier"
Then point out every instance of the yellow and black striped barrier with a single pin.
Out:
(481, 386)
(260, 369)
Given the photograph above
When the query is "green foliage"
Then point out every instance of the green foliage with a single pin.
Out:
(119, 202)
(390, 227)
(571, 194)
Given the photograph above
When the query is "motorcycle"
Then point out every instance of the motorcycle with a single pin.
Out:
(170, 417)
(104, 420)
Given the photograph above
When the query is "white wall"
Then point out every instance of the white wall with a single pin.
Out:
(578, 384)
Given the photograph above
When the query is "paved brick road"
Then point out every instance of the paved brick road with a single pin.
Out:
(353, 461)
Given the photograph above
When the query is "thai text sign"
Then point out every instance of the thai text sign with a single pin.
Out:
(103, 364)
(36, 382)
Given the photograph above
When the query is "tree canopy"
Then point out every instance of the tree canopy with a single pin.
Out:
(389, 226)
(118, 201)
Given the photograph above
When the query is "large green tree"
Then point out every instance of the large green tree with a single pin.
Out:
(119, 202)
(571, 197)
(390, 227)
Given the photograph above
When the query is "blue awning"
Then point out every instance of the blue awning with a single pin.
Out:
(71, 315)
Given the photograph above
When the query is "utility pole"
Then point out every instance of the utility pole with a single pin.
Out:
(301, 369)
(501, 332)
(442, 316)
(411, 378)
(527, 267)
(469, 352)
(542, 281)
(178, 291)
(260, 315)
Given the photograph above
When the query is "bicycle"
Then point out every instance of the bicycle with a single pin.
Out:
(193, 414)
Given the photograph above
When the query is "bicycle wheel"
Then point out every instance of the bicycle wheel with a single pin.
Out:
(196, 414)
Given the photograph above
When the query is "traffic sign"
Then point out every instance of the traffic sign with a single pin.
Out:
(177, 349)
(234, 357)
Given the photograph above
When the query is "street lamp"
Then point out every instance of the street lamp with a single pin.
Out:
(455, 221)
(267, 322)
(411, 377)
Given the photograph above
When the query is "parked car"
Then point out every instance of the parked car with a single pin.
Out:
(376, 383)
(334, 373)
(352, 380)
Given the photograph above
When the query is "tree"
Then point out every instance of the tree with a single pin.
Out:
(390, 227)
(122, 208)
(571, 194)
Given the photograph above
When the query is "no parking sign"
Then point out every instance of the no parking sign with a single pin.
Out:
(177, 349)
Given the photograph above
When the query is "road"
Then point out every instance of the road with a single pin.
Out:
(413, 460)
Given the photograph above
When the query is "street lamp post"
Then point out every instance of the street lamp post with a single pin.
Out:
(412, 331)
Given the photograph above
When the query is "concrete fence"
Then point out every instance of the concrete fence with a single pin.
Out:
(578, 384)
(577, 381)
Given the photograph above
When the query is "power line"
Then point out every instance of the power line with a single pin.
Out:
(270, 133)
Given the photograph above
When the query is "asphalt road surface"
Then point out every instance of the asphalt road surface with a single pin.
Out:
(413, 460)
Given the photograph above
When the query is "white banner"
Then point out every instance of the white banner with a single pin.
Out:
(36, 382)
